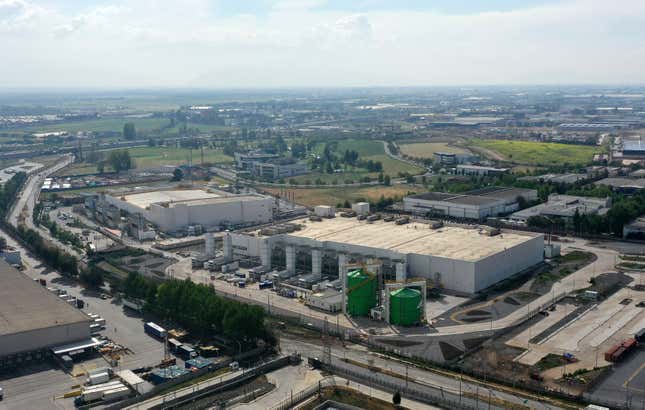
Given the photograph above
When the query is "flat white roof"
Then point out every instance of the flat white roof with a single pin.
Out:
(145, 199)
(417, 238)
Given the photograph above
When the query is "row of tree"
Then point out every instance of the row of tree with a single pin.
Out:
(197, 308)
(65, 263)
(9, 191)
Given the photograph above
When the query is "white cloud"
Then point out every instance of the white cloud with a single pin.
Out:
(173, 43)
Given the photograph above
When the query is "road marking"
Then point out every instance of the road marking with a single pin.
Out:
(632, 377)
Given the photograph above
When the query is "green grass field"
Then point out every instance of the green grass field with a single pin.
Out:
(427, 149)
(540, 153)
(116, 124)
(367, 149)
(152, 157)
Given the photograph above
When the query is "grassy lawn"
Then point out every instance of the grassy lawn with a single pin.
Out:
(539, 153)
(332, 196)
(116, 124)
(427, 149)
(149, 157)
(100, 125)
(152, 157)
(550, 361)
(367, 149)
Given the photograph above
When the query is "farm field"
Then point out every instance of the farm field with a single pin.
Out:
(539, 153)
(367, 150)
(427, 149)
(332, 196)
(151, 157)
(115, 124)
(99, 125)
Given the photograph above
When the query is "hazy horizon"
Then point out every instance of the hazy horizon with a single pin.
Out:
(308, 44)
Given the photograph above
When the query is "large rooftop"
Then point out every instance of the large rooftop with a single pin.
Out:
(26, 305)
(418, 238)
(145, 199)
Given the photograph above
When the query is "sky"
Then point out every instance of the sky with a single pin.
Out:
(319, 43)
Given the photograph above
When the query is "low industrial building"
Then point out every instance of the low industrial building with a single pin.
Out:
(634, 147)
(464, 260)
(477, 204)
(635, 229)
(177, 210)
(556, 178)
(278, 169)
(244, 160)
(32, 319)
(623, 184)
(479, 170)
(565, 207)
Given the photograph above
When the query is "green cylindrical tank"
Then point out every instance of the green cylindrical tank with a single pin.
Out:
(361, 293)
(405, 306)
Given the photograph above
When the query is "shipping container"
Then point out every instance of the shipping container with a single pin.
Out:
(186, 352)
(98, 378)
(617, 352)
(133, 304)
(117, 393)
(267, 284)
(173, 344)
(155, 330)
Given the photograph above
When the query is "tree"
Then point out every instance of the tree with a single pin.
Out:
(100, 167)
(92, 277)
(396, 398)
(298, 150)
(386, 180)
(120, 160)
(129, 132)
(177, 174)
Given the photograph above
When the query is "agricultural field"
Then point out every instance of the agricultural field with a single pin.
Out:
(332, 196)
(115, 124)
(100, 125)
(367, 150)
(152, 157)
(427, 149)
(538, 153)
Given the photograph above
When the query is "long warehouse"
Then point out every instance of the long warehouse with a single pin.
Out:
(175, 209)
(32, 319)
(460, 259)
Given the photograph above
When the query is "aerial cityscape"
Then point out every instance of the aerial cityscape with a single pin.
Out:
(308, 225)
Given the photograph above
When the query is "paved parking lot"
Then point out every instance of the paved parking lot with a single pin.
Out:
(35, 386)
(626, 383)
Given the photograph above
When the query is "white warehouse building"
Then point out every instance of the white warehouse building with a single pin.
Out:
(464, 260)
(477, 204)
(175, 210)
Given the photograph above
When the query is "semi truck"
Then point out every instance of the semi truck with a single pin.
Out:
(155, 330)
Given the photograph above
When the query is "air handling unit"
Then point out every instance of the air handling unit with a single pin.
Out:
(361, 292)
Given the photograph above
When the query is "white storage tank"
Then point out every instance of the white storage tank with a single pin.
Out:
(361, 208)
(324, 211)
(209, 242)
